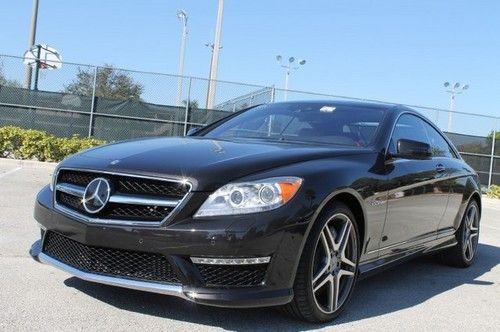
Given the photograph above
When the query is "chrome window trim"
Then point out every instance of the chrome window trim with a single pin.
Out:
(96, 221)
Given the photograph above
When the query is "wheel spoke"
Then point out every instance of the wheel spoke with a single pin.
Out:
(469, 248)
(347, 261)
(327, 249)
(467, 221)
(474, 212)
(335, 293)
(345, 273)
(320, 273)
(344, 237)
(331, 295)
(330, 237)
(472, 216)
(328, 278)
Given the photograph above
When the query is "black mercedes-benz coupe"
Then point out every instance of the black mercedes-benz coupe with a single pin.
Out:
(283, 204)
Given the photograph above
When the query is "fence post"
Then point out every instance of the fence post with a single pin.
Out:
(273, 93)
(492, 157)
(92, 104)
(188, 103)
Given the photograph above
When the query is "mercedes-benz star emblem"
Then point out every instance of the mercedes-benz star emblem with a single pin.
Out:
(96, 195)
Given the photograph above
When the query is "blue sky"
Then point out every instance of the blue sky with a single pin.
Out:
(393, 50)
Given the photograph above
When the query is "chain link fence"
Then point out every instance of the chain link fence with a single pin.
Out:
(115, 104)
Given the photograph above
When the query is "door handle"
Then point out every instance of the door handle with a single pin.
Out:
(440, 168)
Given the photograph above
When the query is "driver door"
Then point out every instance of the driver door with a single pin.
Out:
(417, 192)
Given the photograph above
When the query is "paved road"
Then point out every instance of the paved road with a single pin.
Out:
(419, 295)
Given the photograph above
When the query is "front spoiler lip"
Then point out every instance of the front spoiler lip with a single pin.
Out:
(220, 298)
(166, 289)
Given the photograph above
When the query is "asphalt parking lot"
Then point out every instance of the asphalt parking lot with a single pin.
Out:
(419, 295)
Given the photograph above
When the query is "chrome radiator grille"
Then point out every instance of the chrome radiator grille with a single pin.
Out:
(132, 199)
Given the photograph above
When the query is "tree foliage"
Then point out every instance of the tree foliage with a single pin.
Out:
(4, 81)
(20, 143)
(110, 83)
(193, 104)
(494, 191)
(497, 134)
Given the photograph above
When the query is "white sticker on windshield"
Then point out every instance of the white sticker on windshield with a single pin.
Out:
(327, 109)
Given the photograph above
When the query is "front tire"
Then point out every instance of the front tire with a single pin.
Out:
(328, 267)
(463, 254)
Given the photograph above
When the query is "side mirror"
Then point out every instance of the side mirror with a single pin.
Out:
(193, 131)
(409, 149)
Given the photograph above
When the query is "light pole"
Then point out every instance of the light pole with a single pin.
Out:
(291, 65)
(454, 90)
(182, 16)
(31, 43)
(215, 57)
(211, 47)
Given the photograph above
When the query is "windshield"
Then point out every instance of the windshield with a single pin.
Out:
(304, 122)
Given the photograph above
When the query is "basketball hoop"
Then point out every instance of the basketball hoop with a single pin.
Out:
(49, 58)
(42, 57)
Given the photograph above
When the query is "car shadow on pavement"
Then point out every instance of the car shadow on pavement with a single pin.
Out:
(395, 289)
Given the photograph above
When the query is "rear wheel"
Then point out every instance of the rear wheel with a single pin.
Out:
(328, 267)
(463, 254)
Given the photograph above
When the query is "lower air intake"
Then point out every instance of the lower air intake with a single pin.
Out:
(110, 262)
(233, 275)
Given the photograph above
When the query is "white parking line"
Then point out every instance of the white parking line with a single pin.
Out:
(488, 226)
(10, 172)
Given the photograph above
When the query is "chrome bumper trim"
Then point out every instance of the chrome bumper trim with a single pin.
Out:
(166, 289)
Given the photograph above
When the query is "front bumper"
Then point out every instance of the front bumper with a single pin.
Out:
(224, 298)
(228, 237)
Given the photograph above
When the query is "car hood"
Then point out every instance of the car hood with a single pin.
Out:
(206, 163)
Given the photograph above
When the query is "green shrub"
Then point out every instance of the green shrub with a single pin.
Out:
(494, 191)
(32, 144)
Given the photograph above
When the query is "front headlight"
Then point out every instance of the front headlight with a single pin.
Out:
(250, 197)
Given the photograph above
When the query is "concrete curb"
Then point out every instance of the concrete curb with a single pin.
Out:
(27, 163)
(492, 203)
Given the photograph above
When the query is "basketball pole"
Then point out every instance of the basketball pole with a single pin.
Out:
(31, 43)
(37, 69)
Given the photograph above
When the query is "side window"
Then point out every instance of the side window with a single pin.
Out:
(408, 127)
(440, 148)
